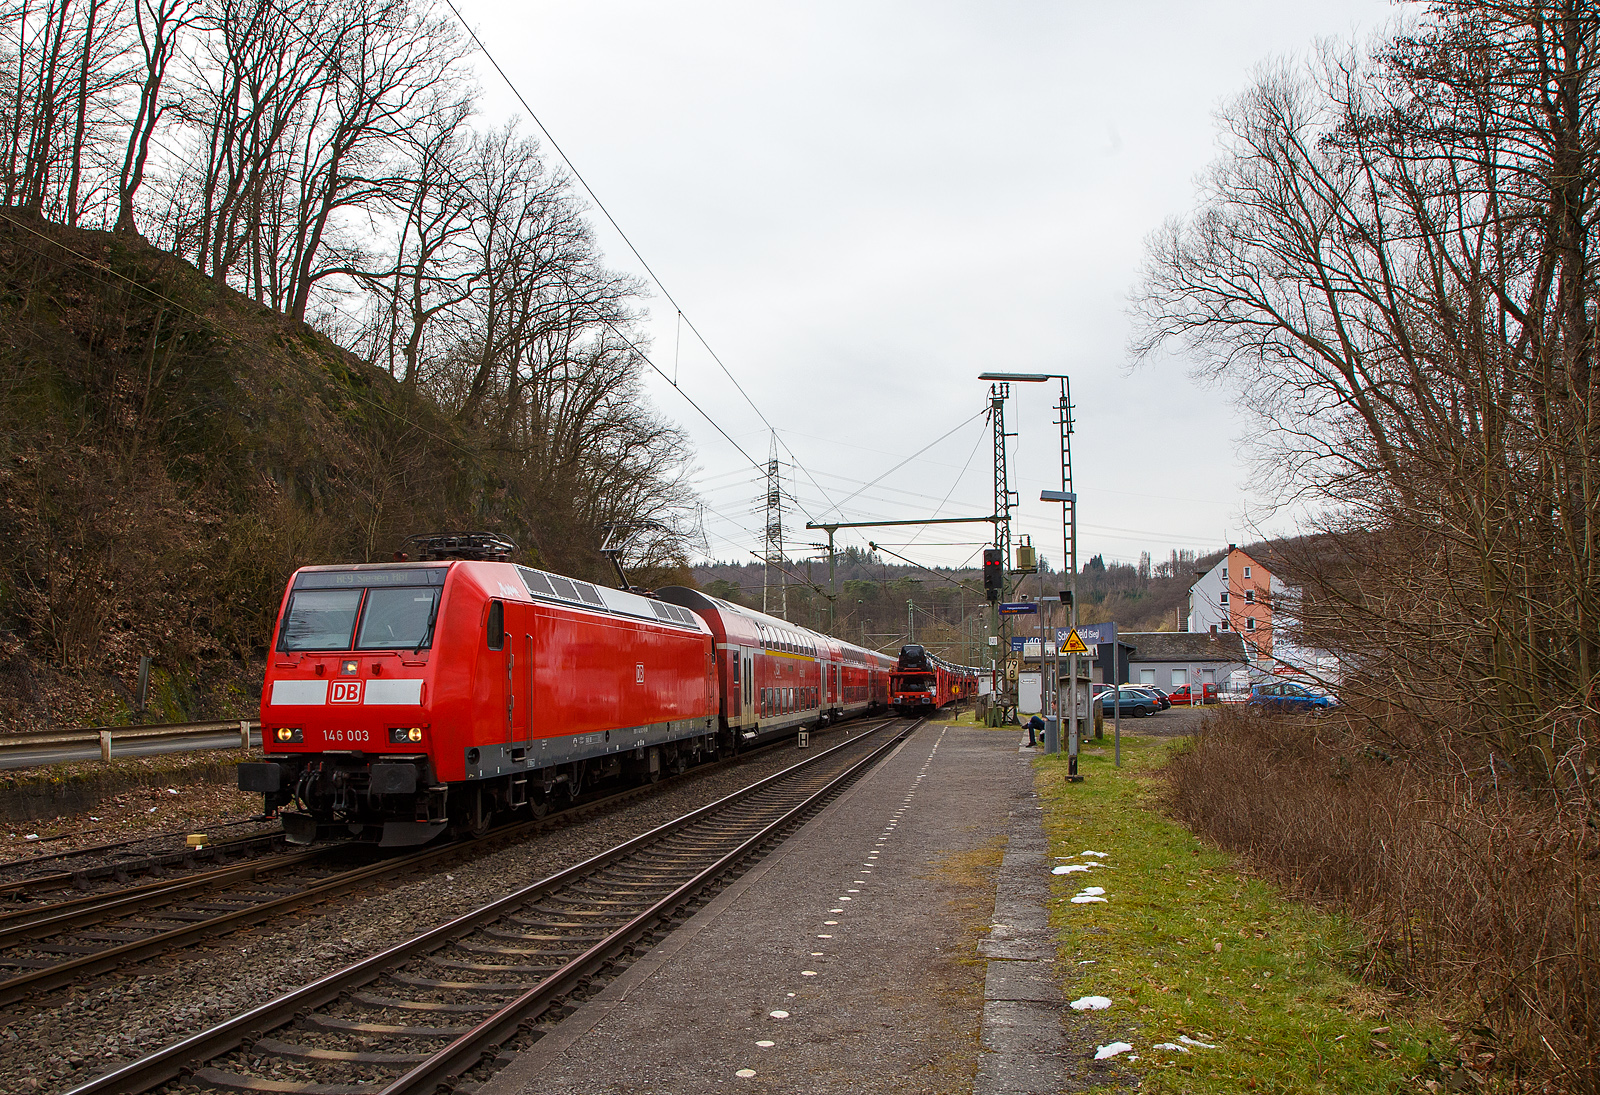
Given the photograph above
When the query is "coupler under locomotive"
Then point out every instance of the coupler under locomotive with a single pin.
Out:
(395, 800)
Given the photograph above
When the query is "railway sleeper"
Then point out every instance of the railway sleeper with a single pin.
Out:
(352, 1026)
(376, 1001)
(495, 987)
(492, 967)
(312, 1053)
(233, 1081)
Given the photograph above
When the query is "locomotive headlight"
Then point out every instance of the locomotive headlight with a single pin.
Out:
(400, 735)
(287, 734)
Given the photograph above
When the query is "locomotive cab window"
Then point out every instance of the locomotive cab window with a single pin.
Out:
(496, 627)
(395, 618)
(320, 619)
(395, 609)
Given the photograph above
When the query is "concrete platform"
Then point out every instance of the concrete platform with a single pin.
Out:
(871, 953)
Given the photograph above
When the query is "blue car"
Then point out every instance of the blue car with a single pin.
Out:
(1290, 697)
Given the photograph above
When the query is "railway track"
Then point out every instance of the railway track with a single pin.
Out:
(117, 863)
(51, 946)
(432, 1010)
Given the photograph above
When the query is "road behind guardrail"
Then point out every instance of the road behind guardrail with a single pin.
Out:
(105, 742)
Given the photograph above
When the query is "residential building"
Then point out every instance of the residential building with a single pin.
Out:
(1171, 659)
(1236, 595)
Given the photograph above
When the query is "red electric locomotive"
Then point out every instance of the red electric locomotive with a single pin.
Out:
(402, 697)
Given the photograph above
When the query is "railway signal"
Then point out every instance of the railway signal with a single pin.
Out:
(993, 572)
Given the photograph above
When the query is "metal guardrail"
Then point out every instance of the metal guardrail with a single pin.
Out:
(106, 736)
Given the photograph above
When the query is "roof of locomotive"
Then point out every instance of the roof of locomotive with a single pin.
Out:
(530, 584)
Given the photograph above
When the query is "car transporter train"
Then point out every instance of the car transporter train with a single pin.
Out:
(923, 682)
(402, 699)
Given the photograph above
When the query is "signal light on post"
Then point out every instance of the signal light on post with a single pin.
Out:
(993, 574)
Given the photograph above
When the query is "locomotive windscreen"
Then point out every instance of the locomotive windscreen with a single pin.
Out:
(396, 609)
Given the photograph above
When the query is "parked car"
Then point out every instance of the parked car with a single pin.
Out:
(1290, 696)
(1099, 688)
(1135, 702)
(1183, 694)
(1166, 700)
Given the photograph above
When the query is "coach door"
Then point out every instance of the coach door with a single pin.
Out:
(748, 690)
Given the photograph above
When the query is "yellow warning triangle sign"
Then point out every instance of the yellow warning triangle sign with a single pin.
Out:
(1074, 644)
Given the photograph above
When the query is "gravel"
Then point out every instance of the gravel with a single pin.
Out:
(56, 1042)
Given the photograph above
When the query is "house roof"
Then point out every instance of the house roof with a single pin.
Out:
(1186, 646)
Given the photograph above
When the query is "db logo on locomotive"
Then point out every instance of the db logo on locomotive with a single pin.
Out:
(345, 692)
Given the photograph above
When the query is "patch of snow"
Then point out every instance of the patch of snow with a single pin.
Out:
(1097, 855)
(1102, 1052)
(1188, 1041)
(31, 836)
(1087, 899)
(1093, 891)
(172, 790)
(1069, 868)
(1171, 1046)
(1091, 1003)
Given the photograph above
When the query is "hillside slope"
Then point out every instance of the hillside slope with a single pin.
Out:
(169, 452)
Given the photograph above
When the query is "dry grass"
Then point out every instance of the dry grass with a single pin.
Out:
(1472, 889)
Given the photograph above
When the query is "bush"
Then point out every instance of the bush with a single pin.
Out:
(1471, 887)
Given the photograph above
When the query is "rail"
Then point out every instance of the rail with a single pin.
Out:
(12, 745)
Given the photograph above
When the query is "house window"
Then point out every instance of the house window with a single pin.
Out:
(1247, 572)
(1249, 596)
(1249, 623)
(1224, 570)
(1224, 599)
(1180, 677)
(1147, 676)
(1225, 624)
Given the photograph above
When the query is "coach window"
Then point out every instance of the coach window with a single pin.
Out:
(496, 627)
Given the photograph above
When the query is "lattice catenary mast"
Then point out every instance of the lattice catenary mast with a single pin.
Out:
(773, 556)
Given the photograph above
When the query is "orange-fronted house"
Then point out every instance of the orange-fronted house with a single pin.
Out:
(1235, 595)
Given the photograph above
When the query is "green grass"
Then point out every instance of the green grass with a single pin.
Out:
(1189, 944)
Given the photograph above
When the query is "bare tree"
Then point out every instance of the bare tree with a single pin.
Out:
(158, 25)
(1395, 260)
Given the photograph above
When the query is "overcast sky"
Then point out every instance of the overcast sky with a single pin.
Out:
(863, 205)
